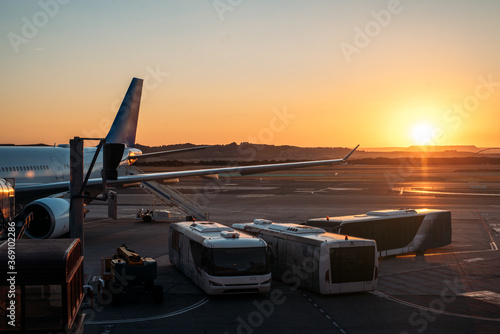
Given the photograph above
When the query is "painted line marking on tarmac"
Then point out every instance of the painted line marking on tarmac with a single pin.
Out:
(156, 317)
(486, 296)
(402, 302)
(476, 259)
(443, 265)
(327, 316)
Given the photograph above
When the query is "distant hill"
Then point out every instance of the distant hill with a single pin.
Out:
(259, 152)
(428, 148)
(249, 152)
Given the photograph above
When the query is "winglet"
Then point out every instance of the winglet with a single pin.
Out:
(348, 155)
(124, 126)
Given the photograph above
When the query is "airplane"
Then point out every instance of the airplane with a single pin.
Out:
(42, 174)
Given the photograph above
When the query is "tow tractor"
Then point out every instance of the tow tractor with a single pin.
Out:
(126, 269)
(158, 215)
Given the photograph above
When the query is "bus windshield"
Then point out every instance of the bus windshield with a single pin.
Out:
(238, 261)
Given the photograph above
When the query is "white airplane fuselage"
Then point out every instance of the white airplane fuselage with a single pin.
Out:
(43, 164)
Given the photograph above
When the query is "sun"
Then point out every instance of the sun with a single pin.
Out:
(422, 134)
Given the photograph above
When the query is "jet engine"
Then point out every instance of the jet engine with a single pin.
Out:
(50, 218)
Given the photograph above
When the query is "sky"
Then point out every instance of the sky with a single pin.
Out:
(318, 73)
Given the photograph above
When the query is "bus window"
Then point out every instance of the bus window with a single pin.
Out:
(352, 264)
(196, 252)
(239, 261)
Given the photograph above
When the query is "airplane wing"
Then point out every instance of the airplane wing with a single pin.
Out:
(56, 187)
(155, 154)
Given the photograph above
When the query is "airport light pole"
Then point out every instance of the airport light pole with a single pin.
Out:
(76, 210)
(112, 154)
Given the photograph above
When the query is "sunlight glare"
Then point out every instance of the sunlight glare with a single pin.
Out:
(422, 134)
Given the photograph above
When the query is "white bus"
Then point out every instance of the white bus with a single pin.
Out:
(311, 258)
(219, 259)
(396, 231)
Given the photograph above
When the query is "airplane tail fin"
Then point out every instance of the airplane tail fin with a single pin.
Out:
(124, 126)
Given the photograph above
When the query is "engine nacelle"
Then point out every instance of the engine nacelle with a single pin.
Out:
(50, 218)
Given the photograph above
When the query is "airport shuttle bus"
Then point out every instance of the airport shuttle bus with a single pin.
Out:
(395, 231)
(219, 259)
(311, 258)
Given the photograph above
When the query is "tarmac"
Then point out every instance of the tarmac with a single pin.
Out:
(455, 288)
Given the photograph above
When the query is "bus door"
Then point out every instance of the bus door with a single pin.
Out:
(278, 255)
(310, 265)
(380, 236)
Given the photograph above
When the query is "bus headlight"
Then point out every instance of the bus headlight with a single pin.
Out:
(212, 283)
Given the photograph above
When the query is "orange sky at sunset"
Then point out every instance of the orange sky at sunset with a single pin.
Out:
(322, 73)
